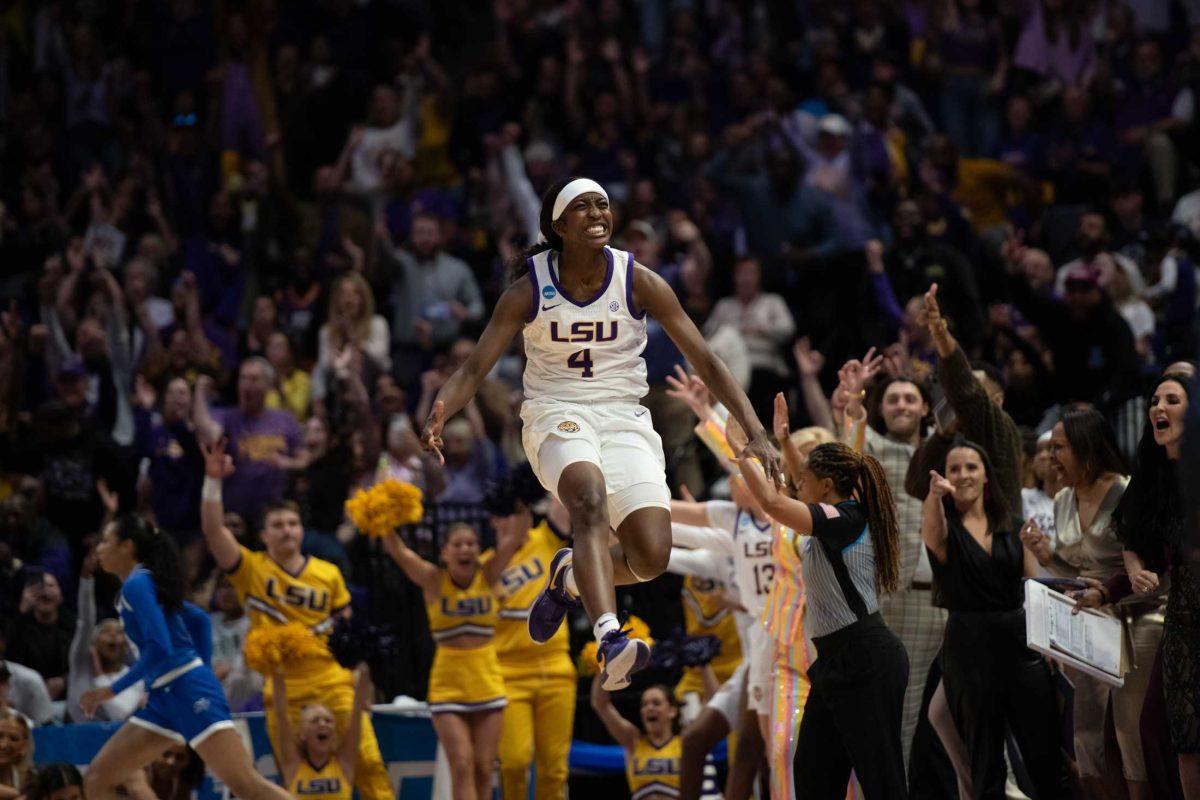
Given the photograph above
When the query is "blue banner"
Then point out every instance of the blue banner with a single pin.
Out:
(407, 742)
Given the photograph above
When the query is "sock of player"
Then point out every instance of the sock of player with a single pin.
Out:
(606, 622)
(569, 582)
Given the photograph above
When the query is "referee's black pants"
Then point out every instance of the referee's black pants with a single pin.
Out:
(852, 716)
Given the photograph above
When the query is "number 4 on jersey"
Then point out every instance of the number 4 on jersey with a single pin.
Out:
(581, 359)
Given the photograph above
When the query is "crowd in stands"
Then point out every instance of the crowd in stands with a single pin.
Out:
(285, 224)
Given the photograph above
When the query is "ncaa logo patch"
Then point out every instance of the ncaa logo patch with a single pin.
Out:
(614, 305)
(568, 427)
(548, 292)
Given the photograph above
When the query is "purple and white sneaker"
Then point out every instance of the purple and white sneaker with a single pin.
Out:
(620, 657)
(547, 612)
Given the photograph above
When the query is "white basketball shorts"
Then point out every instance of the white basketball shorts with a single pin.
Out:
(618, 438)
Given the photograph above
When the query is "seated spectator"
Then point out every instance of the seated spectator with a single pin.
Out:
(1095, 359)
(403, 458)
(1056, 44)
(1133, 309)
(471, 463)
(1037, 501)
(23, 690)
(1080, 150)
(294, 386)
(352, 323)
(765, 323)
(390, 125)
(264, 444)
(152, 313)
(40, 635)
(99, 656)
(230, 624)
(31, 541)
(967, 55)
(1148, 112)
(1021, 145)
(16, 755)
(433, 295)
(1093, 243)
(167, 440)
(56, 781)
(915, 262)
(264, 321)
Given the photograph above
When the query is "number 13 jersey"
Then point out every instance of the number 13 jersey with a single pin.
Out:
(584, 350)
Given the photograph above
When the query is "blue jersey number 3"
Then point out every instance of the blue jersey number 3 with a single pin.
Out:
(581, 359)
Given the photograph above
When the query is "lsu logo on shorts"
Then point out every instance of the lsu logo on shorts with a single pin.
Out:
(568, 427)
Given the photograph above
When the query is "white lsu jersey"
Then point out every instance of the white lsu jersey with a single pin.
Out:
(754, 569)
(586, 351)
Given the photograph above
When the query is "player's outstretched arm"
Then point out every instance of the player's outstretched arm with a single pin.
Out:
(221, 542)
(652, 294)
(512, 310)
(778, 506)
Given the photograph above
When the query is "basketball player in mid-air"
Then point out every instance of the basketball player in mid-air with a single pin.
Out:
(582, 306)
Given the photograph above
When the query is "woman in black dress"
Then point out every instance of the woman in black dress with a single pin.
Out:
(992, 679)
(1152, 526)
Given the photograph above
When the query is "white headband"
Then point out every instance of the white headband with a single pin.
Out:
(570, 192)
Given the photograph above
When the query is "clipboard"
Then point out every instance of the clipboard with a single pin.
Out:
(1088, 641)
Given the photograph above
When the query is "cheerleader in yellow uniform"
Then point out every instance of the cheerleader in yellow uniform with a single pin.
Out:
(540, 678)
(313, 764)
(651, 758)
(466, 688)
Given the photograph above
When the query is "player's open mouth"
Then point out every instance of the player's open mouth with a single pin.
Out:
(596, 230)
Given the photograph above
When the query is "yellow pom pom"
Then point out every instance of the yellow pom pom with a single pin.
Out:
(269, 647)
(587, 660)
(386, 506)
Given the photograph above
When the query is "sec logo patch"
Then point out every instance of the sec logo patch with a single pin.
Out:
(568, 427)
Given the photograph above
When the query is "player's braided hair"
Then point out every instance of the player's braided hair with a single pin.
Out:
(855, 473)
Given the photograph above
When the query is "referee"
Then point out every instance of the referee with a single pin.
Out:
(849, 545)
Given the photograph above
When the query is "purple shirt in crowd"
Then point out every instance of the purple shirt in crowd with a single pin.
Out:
(254, 442)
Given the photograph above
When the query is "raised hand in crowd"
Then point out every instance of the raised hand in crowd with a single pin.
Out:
(938, 326)
(1036, 542)
(689, 389)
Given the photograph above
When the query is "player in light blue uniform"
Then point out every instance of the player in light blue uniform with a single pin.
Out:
(173, 641)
